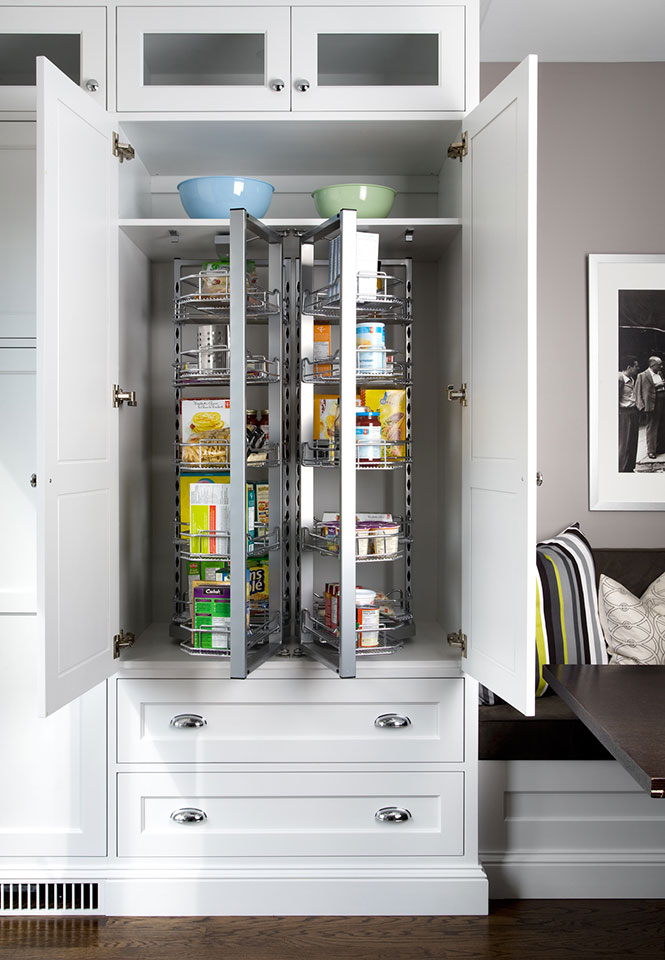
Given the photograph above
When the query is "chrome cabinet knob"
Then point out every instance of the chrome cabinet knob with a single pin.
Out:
(189, 815)
(188, 720)
(392, 720)
(302, 86)
(392, 815)
(92, 85)
(277, 85)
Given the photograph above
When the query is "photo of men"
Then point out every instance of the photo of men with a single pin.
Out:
(641, 408)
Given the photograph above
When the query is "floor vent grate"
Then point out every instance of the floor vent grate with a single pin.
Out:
(50, 897)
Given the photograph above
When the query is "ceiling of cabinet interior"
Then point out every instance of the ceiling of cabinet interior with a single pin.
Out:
(572, 30)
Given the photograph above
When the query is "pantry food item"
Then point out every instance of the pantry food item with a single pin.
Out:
(385, 539)
(332, 606)
(326, 414)
(263, 507)
(209, 512)
(368, 435)
(212, 615)
(367, 265)
(258, 585)
(204, 570)
(322, 349)
(370, 347)
(204, 430)
(391, 407)
(185, 484)
(367, 618)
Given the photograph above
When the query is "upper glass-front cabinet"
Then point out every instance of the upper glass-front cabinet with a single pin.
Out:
(378, 58)
(73, 38)
(203, 58)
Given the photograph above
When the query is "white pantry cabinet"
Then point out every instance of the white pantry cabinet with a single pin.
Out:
(72, 37)
(341, 809)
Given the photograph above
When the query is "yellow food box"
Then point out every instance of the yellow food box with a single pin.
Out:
(391, 407)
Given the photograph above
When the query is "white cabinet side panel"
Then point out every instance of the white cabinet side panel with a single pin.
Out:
(77, 586)
(53, 797)
(499, 472)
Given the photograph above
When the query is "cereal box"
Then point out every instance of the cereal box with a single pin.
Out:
(391, 407)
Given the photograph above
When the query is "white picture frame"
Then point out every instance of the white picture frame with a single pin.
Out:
(626, 320)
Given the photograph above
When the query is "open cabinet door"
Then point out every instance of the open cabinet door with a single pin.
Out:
(77, 360)
(499, 468)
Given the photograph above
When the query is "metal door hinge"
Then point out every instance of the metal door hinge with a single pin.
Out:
(121, 396)
(123, 151)
(457, 394)
(120, 640)
(459, 148)
(458, 640)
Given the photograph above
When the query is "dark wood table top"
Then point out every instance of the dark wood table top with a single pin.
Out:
(624, 707)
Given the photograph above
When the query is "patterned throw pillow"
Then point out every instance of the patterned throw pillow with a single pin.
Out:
(634, 629)
(567, 626)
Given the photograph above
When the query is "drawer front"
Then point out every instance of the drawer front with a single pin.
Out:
(289, 814)
(274, 721)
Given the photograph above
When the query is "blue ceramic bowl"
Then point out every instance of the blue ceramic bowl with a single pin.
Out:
(214, 197)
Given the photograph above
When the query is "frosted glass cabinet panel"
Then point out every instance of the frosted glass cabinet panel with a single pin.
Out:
(72, 38)
(378, 58)
(203, 58)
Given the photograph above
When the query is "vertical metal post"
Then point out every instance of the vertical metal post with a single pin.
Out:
(408, 469)
(275, 267)
(238, 456)
(347, 445)
(306, 432)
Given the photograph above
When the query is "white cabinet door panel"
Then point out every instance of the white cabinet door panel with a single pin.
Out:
(74, 38)
(53, 797)
(378, 58)
(279, 721)
(290, 814)
(203, 58)
(499, 429)
(77, 362)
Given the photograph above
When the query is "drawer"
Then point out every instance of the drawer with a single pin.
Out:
(268, 721)
(289, 814)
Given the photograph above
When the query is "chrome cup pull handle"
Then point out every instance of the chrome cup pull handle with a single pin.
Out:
(189, 815)
(188, 720)
(392, 720)
(392, 815)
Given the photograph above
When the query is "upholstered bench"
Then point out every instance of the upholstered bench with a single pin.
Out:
(555, 733)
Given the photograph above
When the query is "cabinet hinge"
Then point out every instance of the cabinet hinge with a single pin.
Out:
(123, 151)
(457, 394)
(121, 396)
(120, 640)
(459, 148)
(458, 640)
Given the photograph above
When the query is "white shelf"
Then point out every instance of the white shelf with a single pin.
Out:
(155, 654)
(195, 238)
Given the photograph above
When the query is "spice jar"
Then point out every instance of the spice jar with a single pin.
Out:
(264, 420)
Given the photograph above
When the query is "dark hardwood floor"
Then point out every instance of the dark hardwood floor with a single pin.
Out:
(524, 929)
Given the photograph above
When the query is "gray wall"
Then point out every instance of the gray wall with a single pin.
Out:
(601, 189)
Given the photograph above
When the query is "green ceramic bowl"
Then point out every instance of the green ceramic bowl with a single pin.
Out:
(369, 199)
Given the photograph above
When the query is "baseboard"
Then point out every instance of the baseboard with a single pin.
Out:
(463, 894)
(575, 877)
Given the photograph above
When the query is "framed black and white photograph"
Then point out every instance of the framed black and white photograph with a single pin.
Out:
(626, 382)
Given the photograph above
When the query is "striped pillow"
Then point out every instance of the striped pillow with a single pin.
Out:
(567, 624)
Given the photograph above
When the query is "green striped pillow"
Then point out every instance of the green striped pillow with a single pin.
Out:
(568, 628)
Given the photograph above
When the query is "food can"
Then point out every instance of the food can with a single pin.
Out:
(371, 347)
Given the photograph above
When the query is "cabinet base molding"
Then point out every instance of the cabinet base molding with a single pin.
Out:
(454, 892)
(542, 878)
